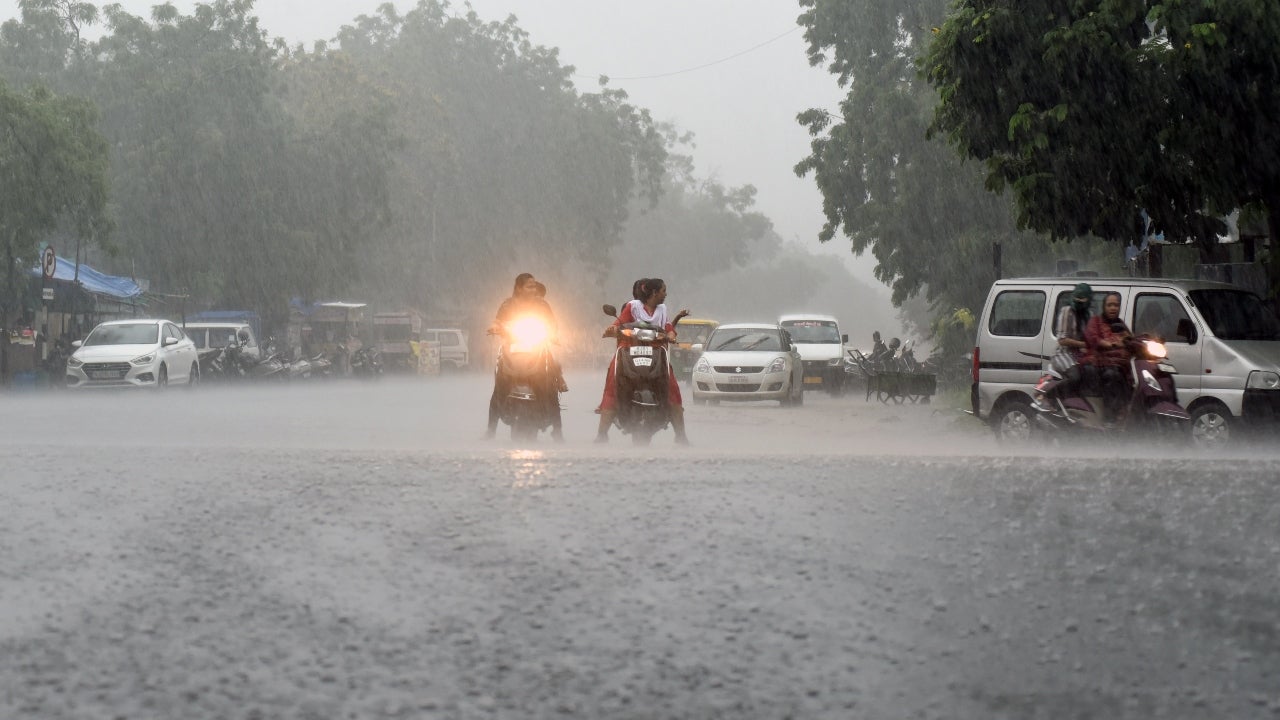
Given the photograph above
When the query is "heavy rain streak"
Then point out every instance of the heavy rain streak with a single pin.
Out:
(414, 373)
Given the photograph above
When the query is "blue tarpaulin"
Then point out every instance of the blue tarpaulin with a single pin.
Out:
(94, 281)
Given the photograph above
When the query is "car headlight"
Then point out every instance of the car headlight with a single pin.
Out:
(74, 361)
(778, 365)
(1263, 380)
(144, 359)
(835, 361)
(702, 366)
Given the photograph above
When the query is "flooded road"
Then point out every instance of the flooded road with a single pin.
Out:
(358, 550)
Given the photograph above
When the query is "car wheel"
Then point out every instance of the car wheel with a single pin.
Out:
(193, 377)
(162, 378)
(799, 398)
(1014, 422)
(1211, 426)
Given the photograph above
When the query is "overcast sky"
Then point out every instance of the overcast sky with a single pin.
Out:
(734, 72)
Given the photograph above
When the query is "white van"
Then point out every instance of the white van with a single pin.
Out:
(1223, 340)
(454, 354)
(821, 346)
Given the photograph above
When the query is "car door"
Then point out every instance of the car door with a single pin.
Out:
(180, 355)
(1162, 313)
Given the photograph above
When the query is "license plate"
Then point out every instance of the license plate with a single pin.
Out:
(641, 350)
(106, 375)
(738, 379)
(813, 381)
(642, 361)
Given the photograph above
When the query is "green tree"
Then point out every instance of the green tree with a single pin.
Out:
(920, 210)
(54, 165)
(1090, 112)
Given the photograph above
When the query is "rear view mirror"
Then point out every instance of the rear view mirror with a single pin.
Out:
(611, 311)
(1187, 329)
(76, 343)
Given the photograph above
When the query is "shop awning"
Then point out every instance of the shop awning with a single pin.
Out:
(94, 281)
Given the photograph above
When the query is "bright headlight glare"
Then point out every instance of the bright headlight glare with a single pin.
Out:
(144, 359)
(1264, 380)
(778, 365)
(528, 331)
(1155, 350)
(74, 361)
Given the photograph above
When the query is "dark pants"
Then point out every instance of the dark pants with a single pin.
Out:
(1114, 390)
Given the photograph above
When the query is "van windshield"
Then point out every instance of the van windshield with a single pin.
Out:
(812, 331)
(1236, 315)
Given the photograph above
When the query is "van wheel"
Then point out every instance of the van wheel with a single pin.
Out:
(1211, 426)
(1014, 422)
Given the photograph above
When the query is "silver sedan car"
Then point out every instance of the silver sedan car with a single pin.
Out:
(133, 353)
(749, 361)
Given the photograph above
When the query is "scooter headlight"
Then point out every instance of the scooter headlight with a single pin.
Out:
(1263, 380)
(528, 333)
(1155, 349)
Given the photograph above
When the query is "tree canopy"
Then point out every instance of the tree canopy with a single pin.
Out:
(911, 201)
(1091, 112)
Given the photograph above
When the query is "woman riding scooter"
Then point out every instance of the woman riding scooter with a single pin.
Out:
(1106, 335)
(648, 307)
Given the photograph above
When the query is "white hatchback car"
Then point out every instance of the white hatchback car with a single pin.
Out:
(133, 353)
(749, 361)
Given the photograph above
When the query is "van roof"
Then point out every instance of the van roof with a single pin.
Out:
(807, 316)
(1185, 284)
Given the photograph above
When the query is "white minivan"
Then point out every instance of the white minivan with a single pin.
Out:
(1223, 340)
(821, 346)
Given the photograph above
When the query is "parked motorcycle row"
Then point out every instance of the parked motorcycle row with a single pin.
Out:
(231, 363)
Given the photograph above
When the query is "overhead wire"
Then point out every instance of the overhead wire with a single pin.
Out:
(696, 67)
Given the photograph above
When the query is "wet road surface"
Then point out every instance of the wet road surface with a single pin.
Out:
(358, 551)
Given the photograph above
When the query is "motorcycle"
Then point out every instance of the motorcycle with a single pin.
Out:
(640, 372)
(1152, 401)
(366, 362)
(524, 368)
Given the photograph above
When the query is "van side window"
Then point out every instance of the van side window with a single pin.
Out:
(1017, 313)
(1158, 314)
(448, 339)
(1095, 307)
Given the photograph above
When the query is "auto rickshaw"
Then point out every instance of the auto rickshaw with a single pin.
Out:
(690, 332)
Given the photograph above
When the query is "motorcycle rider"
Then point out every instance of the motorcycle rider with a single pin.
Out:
(1106, 335)
(524, 300)
(648, 306)
(1069, 329)
(878, 348)
(557, 372)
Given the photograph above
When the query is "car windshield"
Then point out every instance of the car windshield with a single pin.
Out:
(745, 339)
(130, 334)
(813, 331)
(1236, 315)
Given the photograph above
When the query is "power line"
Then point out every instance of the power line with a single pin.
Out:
(698, 67)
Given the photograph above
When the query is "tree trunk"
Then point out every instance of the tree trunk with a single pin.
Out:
(1272, 203)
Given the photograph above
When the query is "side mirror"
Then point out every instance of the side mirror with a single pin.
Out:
(1187, 329)
(611, 311)
(77, 343)
(844, 338)
(170, 341)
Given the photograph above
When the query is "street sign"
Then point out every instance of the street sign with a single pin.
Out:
(47, 293)
(49, 262)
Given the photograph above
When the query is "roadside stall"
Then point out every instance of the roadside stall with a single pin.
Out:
(397, 335)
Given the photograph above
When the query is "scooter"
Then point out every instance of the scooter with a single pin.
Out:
(1152, 402)
(640, 372)
(524, 368)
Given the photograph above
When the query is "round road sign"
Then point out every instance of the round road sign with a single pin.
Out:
(49, 261)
